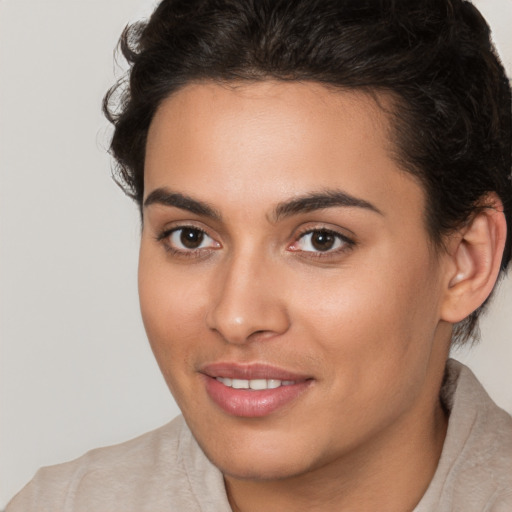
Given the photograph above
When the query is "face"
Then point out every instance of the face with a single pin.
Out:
(287, 284)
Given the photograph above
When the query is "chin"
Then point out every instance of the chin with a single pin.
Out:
(257, 464)
(263, 471)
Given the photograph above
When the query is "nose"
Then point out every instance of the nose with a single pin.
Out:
(248, 303)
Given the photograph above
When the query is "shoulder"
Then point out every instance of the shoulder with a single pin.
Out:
(475, 469)
(502, 503)
(144, 473)
(488, 450)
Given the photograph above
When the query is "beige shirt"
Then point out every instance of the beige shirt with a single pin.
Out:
(165, 470)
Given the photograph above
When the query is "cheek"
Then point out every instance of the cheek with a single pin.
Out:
(373, 311)
(374, 331)
(172, 305)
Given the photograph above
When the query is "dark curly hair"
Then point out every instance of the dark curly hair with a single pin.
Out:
(452, 99)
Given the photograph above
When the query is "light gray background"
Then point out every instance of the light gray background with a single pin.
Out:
(76, 371)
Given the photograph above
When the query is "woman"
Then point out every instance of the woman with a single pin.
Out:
(325, 197)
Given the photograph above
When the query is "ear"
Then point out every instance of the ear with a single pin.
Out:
(474, 255)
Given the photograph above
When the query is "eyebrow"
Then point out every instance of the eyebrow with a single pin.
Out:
(302, 204)
(167, 198)
(320, 200)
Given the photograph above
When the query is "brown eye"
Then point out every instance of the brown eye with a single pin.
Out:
(191, 238)
(320, 241)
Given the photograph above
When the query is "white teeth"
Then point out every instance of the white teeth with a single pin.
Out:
(258, 384)
(240, 384)
(255, 384)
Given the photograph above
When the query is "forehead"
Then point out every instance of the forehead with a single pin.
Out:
(215, 112)
(279, 139)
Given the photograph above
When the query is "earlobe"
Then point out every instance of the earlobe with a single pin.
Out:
(475, 257)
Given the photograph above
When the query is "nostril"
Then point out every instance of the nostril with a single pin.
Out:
(261, 334)
(240, 330)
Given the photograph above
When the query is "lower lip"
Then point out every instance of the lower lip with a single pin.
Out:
(249, 403)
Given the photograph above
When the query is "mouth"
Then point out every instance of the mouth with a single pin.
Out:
(255, 384)
(253, 391)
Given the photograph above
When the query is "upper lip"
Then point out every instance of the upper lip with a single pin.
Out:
(250, 371)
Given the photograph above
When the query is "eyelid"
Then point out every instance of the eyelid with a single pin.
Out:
(347, 242)
(164, 235)
(165, 229)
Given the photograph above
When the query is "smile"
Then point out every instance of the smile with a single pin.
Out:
(254, 384)
(253, 390)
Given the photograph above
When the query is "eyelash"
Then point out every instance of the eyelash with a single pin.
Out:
(346, 243)
(164, 239)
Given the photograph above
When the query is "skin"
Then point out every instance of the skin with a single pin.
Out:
(363, 320)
